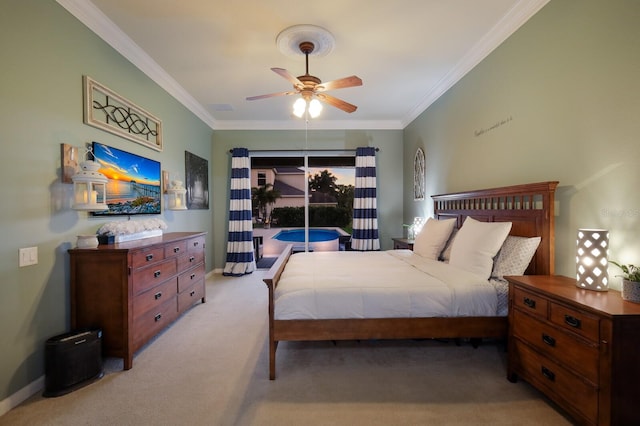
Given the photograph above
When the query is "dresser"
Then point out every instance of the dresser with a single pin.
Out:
(581, 348)
(133, 290)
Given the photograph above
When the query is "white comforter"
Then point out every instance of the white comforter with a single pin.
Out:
(383, 284)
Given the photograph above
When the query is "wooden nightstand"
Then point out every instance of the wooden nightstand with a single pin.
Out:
(402, 243)
(579, 347)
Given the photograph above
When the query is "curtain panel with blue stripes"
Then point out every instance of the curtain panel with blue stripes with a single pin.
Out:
(240, 259)
(365, 213)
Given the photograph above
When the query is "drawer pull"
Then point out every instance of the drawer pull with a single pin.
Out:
(191, 259)
(195, 244)
(158, 295)
(157, 317)
(149, 258)
(193, 276)
(530, 303)
(572, 321)
(193, 292)
(156, 274)
(176, 249)
(548, 374)
(548, 340)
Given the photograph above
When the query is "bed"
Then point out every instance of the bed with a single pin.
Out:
(529, 208)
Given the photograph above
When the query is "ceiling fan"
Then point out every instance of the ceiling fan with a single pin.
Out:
(310, 87)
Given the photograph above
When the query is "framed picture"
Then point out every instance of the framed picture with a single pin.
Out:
(197, 181)
(419, 175)
(106, 110)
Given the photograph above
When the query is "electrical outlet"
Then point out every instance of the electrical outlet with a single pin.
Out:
(28, 256)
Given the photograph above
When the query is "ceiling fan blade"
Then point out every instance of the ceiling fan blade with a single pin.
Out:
(287, 75)
(270, 95)
(339, 84)
(338, 103)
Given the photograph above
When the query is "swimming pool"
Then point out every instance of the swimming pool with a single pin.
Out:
(315, 235)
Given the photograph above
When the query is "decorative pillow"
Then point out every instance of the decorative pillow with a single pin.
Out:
(514, 256)
(432, 237)
(445, 256)
(476, 244)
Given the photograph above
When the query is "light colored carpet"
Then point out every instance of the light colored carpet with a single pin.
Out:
(210, 368)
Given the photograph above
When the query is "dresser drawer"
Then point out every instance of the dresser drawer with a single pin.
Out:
(575, 353)
(154, 297)
(196, 244)
(144, 257)
(576, 321)
(558, 382)
(190, 260)
(531, 303)
(153, 321)
(187, 279)
(176, 248)
(190, 296)
(145, 278)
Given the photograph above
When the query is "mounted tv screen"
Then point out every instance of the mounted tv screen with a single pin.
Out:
(134, 185)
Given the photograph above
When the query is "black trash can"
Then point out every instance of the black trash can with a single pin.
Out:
(72, 360)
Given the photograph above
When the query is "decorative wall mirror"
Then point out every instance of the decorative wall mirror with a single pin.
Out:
(419, 175)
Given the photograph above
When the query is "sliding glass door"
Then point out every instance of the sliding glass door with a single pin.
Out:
(304, 199)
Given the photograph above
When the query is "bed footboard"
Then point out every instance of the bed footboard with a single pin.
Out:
(271, 280)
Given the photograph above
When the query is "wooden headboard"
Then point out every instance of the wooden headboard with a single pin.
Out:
(530, 208)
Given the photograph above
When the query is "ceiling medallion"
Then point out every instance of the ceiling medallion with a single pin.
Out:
(289, 40)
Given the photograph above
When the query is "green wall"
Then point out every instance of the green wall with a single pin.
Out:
(389, 169)
(564, 93)
(44, 54)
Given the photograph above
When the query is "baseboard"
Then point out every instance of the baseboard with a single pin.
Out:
(22, 395)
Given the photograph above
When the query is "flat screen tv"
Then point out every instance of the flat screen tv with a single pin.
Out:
(134, 185)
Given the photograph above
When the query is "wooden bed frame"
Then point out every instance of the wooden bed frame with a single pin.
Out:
(530, 207)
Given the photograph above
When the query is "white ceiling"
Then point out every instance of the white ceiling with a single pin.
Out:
(212, 54)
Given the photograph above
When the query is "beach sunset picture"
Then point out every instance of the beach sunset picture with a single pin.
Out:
(134, 185)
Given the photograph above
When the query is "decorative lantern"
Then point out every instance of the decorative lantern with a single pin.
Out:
(89, 188)
(177, 196)
(591, 259)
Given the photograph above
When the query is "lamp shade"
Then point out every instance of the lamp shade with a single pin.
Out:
(592, 247)
(89, 188)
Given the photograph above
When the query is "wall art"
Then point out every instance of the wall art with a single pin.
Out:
(419, 175)
(106, 110)
(197, 181)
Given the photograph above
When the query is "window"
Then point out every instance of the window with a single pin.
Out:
(262, 178)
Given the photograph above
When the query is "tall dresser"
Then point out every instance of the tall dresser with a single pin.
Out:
(579, 347)
(133, 290)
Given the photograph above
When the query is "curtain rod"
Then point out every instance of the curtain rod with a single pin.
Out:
(303, 150)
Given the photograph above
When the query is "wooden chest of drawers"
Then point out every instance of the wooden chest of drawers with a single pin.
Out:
(135, 289)
(579, 347)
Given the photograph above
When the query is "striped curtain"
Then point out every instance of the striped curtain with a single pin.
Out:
(240, 260)
(365, 214)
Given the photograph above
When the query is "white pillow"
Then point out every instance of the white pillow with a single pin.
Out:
(476, 244)
(445, 256)
(432, 237)
(514, 256)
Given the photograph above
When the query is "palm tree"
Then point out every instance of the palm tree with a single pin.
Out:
(263, 196)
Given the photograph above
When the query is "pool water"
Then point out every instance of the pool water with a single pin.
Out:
(315, 235)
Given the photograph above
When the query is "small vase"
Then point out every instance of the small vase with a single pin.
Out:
(631, 291)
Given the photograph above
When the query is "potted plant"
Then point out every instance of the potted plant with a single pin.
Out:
(630, 281)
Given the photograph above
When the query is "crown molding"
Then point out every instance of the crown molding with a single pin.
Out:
(313, 124)
(510, 22)
(87, 13)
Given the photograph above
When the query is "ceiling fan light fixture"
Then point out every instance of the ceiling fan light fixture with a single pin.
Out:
(299, 106)
(315, 108)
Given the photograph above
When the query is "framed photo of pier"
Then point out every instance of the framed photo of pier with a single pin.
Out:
(135, 182)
